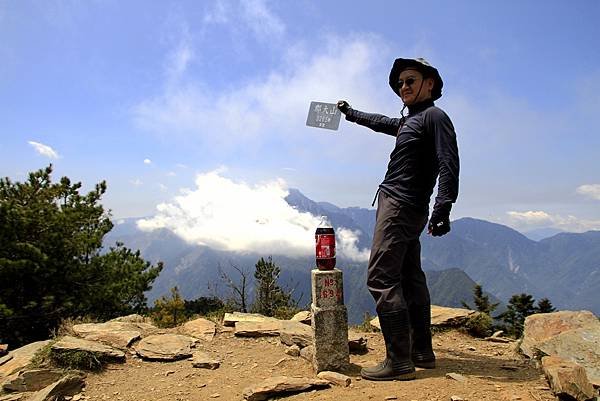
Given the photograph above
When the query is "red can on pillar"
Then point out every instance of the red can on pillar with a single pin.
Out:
(325, 245)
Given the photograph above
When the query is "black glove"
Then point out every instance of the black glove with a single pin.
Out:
(439, 224)
(343, 106)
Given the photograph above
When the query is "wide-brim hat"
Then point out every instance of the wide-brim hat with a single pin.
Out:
(421, 65)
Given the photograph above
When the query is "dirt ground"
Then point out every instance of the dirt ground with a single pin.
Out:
(492, 371)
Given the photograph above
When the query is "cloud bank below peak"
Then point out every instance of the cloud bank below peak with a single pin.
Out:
(234, 216)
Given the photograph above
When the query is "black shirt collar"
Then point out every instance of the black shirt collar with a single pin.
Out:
(418, 107)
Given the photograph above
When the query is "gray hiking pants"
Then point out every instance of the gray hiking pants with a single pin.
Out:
(395, 278)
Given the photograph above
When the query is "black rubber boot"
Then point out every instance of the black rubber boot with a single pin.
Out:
(397, 364)
(422, 351)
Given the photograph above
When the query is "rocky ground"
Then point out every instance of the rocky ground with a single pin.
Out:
(467, 368)
(489, 371)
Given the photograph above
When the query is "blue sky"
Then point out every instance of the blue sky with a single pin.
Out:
(154, 97)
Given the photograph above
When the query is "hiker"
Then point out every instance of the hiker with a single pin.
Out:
(425, 149)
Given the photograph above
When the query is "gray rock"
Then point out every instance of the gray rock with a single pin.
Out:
(442, 316)
(302, 317)
(281, 385)
(573, 336)
(203, 329)
(456, 376)
(67, 386)
(543, 326)
(292, 332)
(32, 380)
(567, 378)
(19, 358)
(335, 378)
(258, 329)
(115, 334)
(293, 350)
(74, 344)
(134, 318)
(231, 319)
(165, 347)
(204, 361)
(308, 353)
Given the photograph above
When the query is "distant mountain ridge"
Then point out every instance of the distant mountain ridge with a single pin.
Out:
(564, 268)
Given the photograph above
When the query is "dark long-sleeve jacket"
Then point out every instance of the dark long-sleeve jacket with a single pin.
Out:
(425, 148)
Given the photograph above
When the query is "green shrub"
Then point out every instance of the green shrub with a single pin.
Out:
(479, 325)
(81, 360)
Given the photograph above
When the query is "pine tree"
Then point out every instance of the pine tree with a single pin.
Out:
(544, 306)
(51, 262)
(169, 311)
(269, 295)
(482, 301)
(519, 307)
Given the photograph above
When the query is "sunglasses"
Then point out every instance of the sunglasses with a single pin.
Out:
(408, 82)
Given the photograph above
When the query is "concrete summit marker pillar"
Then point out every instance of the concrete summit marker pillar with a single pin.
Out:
(329, 321)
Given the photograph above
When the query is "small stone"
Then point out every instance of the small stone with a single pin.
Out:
(472, 349)
(391, 397)
(294, 350)
(169, 372)
(455, 376)
(215, 395)
(335, 378)
(456, 398)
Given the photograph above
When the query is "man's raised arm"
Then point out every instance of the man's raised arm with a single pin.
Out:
(377, 122)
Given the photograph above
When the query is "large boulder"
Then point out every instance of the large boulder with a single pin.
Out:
(115, 334)
(203, 329)
(104, 352)
(32, 379)
(165, 347)
(19, 358)
(573, 336)
(296, 333)
(567, 379)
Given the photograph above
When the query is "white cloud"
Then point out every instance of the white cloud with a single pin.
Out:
(171, 174)
(531, 217)
(137, 182)
(261, 20)
(253, 15)
(44, 150)
(147, 161)
(535, 219)
(591, 190)
(276, 103)
(162, 187)
(235, 216)
(347, 241)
